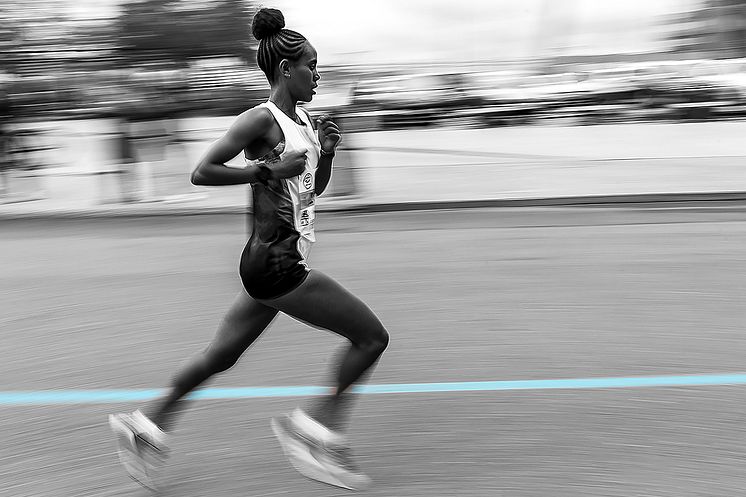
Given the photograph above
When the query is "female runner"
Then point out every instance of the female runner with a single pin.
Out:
(289, 160)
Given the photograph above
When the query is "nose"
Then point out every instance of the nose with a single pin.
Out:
(316, 75)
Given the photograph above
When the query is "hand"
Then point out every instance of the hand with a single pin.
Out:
(329, 134)
(292, 164)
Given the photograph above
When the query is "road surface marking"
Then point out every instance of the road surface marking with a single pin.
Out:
(50, 397)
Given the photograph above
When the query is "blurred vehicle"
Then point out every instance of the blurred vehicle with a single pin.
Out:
(728, 79)
(413, 100)
(619, 93)
(503, 100)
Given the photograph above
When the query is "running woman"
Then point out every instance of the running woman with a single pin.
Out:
(289, 162)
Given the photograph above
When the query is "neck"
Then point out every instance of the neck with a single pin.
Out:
(284, 102)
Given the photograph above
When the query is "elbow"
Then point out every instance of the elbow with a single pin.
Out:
(198, 178)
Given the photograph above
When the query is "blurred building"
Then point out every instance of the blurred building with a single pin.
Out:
(713, 28)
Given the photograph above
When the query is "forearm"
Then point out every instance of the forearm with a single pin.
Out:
(324, 172)
(208, 174)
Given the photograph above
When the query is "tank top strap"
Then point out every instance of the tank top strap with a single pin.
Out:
(288, 126)
(297, 136)
(304, 116)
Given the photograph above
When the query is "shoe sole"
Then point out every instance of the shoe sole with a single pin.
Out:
(128, 453)
(300, 458)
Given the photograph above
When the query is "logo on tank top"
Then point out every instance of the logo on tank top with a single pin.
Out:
(308, 181)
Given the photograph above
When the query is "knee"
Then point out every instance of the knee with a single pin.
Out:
(384, 340)
(378, 342)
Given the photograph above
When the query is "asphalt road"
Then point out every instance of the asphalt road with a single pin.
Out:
(470, 295)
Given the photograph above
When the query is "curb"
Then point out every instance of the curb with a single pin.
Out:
(154, 210)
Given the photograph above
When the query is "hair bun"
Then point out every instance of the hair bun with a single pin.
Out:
(267, 22)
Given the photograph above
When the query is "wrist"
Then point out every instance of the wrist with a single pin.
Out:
(324, 153)
(263, 173)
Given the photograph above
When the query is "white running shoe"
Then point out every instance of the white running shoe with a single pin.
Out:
(141, 445)
(325, 461)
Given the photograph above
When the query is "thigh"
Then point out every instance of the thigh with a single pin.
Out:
(245, 320)
(322, 302)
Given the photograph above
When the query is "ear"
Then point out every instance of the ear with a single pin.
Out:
(284, 66)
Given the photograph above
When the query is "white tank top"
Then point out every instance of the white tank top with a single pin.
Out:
(301, 189)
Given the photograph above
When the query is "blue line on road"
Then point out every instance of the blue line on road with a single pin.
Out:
(49, 397)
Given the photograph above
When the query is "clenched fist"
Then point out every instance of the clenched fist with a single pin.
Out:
(329, 134)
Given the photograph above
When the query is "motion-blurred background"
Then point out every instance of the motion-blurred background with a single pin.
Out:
(110, 101)
(108, 104)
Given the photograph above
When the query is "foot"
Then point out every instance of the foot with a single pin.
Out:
(142, 446)
(341, 465)
(325, 459)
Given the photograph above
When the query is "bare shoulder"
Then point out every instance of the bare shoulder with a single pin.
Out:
(254, 117)
(251, 124)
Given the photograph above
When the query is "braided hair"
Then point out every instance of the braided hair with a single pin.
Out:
(275, 42)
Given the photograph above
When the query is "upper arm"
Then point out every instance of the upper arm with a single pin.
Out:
(247, 127)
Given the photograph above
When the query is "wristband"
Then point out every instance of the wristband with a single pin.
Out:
(326, 154)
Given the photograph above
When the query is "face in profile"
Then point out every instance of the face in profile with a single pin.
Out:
(303, 75)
